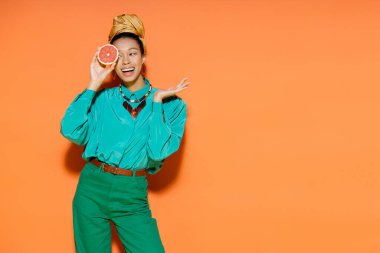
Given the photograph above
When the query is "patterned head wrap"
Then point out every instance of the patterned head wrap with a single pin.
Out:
(128, 23)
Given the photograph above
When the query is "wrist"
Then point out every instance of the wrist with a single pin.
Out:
(157, 99)
(92, 89)
(93, 86)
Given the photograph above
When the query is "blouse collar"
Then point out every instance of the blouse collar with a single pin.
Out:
(138, 93)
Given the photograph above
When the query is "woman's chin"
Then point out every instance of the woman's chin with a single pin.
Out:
(129, 79)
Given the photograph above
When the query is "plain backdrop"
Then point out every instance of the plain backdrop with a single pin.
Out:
(281, 148)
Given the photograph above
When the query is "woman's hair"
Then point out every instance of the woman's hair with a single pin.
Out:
(130, 35)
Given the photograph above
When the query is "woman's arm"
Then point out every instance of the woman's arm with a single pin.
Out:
(79, 119)
(167, 127)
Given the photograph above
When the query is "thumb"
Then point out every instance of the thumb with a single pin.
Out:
(113, 65)
(111, 68)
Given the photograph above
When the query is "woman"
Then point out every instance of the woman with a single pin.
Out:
(127, 132)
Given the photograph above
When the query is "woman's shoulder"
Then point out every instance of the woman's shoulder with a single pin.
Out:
(107, 93)
(102, 97)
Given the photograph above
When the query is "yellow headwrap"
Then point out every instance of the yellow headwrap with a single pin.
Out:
(128, 23)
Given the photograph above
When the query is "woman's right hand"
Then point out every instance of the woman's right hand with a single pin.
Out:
(99, 72)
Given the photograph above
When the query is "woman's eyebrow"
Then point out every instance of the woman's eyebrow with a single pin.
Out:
(128, 49)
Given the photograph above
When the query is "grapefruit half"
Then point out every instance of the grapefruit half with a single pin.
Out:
(108, 54)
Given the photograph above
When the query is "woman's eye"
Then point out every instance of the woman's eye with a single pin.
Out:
(132, 53)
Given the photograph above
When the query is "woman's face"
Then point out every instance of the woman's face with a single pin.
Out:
(129, 64)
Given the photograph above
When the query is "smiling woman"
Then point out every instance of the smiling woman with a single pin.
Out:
(131, 58)
(128, 131)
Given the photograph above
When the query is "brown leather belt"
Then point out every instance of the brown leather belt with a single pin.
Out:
(116, 170)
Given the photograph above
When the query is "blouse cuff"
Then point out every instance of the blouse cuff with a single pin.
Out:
(87, 93)
(157, 107)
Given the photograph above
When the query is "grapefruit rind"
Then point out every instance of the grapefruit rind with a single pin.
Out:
(104, 54)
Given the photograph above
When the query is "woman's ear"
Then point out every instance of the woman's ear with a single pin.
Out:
(143, 59)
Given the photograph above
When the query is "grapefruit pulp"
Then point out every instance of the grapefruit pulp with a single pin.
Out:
(108, 54)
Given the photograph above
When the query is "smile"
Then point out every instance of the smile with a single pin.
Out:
(127, 70)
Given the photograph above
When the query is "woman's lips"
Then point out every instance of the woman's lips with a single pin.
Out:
(128, 73)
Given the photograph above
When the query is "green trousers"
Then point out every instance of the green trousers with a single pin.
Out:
(101, 198)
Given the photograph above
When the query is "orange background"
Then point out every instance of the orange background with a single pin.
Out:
(281, 148)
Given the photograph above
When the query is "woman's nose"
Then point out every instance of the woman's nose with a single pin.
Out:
(125, 60)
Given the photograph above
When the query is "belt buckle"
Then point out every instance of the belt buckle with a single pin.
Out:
(114, 170)
(110, 169)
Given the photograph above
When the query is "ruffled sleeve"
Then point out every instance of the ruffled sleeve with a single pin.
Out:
(166, 128)
(80, 118)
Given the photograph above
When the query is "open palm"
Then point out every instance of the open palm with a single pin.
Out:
(161, 93)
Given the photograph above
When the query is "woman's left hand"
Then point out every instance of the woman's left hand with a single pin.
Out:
(159, 95)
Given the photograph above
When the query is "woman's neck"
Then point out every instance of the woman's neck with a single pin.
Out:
(136, 84)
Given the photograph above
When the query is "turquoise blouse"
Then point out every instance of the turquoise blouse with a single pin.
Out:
(99, 121)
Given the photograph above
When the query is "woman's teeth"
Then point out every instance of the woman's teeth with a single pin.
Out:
(127, 70)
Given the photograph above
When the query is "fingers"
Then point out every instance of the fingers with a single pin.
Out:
(184, 83)
(181, 88)
(185, 80)
(95, 65)
(95, 55)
